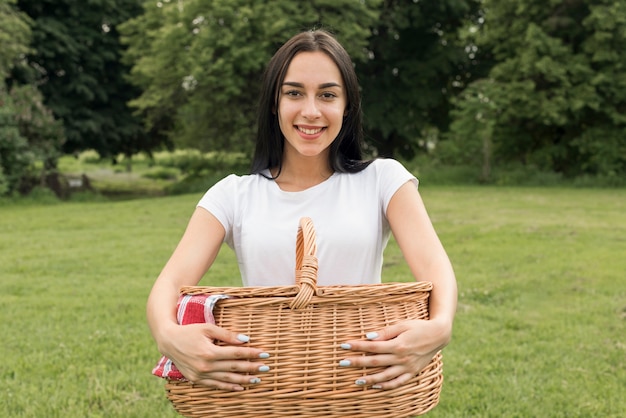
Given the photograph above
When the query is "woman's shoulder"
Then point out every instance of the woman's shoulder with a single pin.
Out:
(389, 174)
(231, 192)
(388, 166)
(234, 185)
(386, 163)
(238, 180)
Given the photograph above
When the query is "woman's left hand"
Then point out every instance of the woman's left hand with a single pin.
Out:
(405, 349)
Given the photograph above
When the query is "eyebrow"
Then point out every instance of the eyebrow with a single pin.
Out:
(321, 86)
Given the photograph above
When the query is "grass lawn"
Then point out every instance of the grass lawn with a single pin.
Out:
(540, 331)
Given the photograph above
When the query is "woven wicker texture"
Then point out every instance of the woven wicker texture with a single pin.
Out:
(302, 327)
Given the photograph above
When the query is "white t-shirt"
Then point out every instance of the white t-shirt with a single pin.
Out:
(348, 213)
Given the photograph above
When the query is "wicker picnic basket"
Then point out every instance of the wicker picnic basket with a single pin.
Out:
(302, 327)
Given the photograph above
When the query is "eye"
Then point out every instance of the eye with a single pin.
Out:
(292, 93)
(328, 95)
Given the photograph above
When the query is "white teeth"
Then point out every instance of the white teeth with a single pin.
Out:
(310, 131)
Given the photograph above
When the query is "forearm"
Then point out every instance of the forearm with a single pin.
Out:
(193, 256)
(161, 310)
(443, 297)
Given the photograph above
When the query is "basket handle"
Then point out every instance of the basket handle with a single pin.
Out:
(306, 264)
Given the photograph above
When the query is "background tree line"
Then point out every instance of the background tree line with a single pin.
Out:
(483, 83)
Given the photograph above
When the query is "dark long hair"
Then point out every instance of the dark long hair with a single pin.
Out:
(346, 150)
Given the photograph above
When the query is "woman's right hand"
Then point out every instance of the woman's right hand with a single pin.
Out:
(191, 347)
(229, 367)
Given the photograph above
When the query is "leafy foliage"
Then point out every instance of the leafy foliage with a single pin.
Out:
(413, 59)
(199, 63)
(14, 36)
(14, 153)
(30, 139)
(494, 84)
(77, 64)
(556, 97)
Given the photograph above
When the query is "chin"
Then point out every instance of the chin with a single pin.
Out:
(309, 152)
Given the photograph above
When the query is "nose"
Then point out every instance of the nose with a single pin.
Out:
(310, 109)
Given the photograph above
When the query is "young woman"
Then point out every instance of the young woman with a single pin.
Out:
(307, 162)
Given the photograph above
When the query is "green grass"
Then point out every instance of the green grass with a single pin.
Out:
(540, 330)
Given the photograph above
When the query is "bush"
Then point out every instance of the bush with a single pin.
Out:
(525, 175)
(89, 157)
(16, 157)
(430, 170)
(599, 181)
(162, 173)
(4, 184)
(194, 183)
(194, 161)
(42, 195)
(30, 138)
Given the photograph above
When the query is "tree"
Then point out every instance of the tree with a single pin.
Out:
(559, 84)
(15, 157)
(15, 36)
(473, 121)
(30, 139)
(29, 135)
(415, 65)
(76, 63)
(199, 63)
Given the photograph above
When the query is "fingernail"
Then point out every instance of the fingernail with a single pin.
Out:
(345, 363)
(264, 355)
(377, 387)
(360, 382)
(371, 335)
(346, 346)
(255, 380)
(264, 368)
(243, 338)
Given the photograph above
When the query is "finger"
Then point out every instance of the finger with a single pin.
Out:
(229, 375)
(387, 333)
(233, 366)
(232, 379)
(375, 338)
(376, 347)
(222, 334)
(386, 378)
(217, 384)
(381, 383)
(238, 353)
(382, 360)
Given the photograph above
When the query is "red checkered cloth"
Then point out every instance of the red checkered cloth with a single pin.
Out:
(190, 309)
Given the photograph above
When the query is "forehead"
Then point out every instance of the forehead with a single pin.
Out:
(313, 67)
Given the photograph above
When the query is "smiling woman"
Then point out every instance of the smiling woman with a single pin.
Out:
(308, 164)
(311, 108)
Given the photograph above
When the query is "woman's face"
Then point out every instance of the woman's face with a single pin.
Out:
(312, 104)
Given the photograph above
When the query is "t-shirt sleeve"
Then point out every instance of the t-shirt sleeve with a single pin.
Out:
(219, 201)
(392, 176)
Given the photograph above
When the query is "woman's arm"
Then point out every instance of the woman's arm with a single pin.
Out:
(424, 253)
(191, 347)
(407, 347)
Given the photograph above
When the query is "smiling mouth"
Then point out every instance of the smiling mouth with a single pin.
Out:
(310, 131)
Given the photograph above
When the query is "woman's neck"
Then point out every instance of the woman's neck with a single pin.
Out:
(295, 176)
